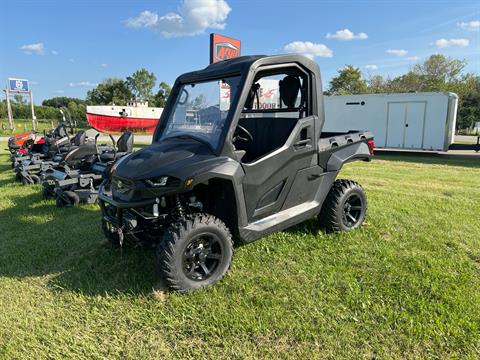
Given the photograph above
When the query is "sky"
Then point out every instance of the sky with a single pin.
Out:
(67, 47)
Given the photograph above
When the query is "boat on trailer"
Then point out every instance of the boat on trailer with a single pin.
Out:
(137, 117)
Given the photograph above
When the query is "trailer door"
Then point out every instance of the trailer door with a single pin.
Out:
(406, 122)
(415, 121)
(395, 124)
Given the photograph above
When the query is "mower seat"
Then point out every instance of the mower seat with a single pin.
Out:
(79, 154)
(110, 156)
(80, 138)
(60, 131)
(124, 147)
(125, 142)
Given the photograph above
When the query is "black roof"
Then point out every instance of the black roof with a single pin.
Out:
(241, 64)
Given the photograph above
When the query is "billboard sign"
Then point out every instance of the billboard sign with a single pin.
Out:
(18, 85)
(223, 48)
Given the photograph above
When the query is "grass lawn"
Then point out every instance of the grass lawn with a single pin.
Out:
(25, 125)
(406, 285)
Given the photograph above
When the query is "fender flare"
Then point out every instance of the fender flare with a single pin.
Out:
(349, 153)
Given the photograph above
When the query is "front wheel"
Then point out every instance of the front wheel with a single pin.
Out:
(345, 207)
(195, 252)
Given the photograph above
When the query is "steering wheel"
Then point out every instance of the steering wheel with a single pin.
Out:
(245, 136)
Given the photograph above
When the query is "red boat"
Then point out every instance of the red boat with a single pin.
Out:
(136, 117)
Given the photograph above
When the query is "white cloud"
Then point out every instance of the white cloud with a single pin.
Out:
(397, 52)
(82, 84)
(308, 49)
(59, 91)
(145, 19)
(54, 52)
(103, 65)
(347, 35)
(470, 26)
(371, 67)
(71, 60)
(413, 58)
(37, 49)
(444, 43)
(193, 17)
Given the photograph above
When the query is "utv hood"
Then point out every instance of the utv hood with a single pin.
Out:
(168, 158)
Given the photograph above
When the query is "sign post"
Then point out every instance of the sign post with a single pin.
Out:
(9, 110)
(34, 127)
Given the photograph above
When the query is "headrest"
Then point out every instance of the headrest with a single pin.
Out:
(79, 138)
(289, 88)
(125, 142)
(60, 131)
(251, 96)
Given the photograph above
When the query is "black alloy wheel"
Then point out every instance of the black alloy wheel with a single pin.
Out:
(196, 251)
(202, 256)
(344, 208)
(352, 210)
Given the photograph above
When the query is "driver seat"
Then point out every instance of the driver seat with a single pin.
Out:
(270, 133)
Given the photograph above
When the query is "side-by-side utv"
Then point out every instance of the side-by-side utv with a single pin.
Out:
(238, 153)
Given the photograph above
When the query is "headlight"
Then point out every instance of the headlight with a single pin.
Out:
(158, 181)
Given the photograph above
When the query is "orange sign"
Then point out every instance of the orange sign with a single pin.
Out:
(223, 48)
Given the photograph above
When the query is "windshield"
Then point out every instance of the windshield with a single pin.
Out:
(200, 110)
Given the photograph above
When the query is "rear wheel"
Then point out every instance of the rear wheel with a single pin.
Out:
(345, 207)
(67, 199)
(195, 252)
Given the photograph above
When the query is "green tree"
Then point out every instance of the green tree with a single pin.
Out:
(469, 107)
(438, 70)
(19, 99)
(77, 112)
(163, 93)
(108, 92)
(377, 84)
(141, 84)
(62, 101)
(348, 81)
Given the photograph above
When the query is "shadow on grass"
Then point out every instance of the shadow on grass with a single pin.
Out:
(309, 227)
(68, 247)
(434, 159)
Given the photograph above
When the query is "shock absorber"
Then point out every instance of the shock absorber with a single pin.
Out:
(179, 207)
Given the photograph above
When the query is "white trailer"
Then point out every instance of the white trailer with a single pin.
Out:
(415, 121)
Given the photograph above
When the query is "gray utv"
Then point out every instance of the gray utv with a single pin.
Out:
(238, 153)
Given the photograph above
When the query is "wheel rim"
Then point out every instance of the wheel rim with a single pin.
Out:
(202, 256)
(352, 211)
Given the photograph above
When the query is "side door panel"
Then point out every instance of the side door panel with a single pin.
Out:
(268, 180)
